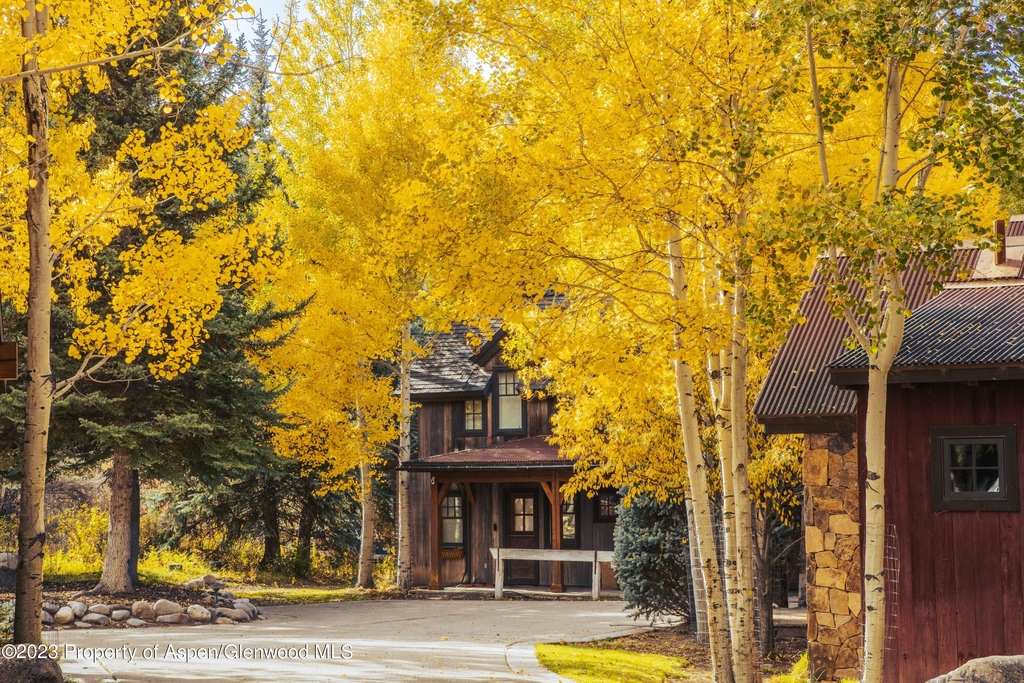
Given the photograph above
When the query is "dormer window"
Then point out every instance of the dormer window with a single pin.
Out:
(510, 403)
(473, 417)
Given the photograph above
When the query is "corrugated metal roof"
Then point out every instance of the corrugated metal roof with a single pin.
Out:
(1015, 226)
(797, 390)
(979, 325)
(450, 366)
(532, 453)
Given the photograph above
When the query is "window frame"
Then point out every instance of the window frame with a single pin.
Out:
(459, 495)
(604, 519)
(1005, 436)
(483, 416)
(496, 392)
(575, 514)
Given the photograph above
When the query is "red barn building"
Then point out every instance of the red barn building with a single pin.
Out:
(955, 549)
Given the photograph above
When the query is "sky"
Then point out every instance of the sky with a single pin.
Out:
(271, 9)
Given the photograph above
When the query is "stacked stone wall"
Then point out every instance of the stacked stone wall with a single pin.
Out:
(832, 537)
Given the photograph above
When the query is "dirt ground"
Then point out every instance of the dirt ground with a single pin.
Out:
(678, 641)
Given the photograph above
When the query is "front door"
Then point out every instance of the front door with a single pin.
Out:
(522, 524)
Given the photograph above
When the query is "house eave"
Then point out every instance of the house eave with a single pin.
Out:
(855, 377)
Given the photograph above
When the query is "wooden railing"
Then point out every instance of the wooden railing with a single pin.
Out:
(594, 557)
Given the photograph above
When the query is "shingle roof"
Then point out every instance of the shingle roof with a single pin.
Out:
(532, 453)
(970, 325)
(449, 368)
(797, 395)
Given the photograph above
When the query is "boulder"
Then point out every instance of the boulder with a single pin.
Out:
(987, 670)
(120, 615)
(100, 609)
(64, 616)
(165, 607)
(222, 620)
(51, 607)
(209, 579)
(79, 608)
(178, 618)
(96, 619)
(82, 624)
(30, 671)
(245, 607)
(198, 613)
(135, 623)
(119, 606)
(195, 584)
(47, 618)
(143, 610)
(234, 614)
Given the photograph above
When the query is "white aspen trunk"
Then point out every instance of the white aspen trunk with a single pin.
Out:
(365, 579)
(403, 550)
(28, 604)
(874, 430)
(116, 578)
(718, 625)
(745, 652)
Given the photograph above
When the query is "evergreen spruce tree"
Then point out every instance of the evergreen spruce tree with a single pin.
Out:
(652, 557)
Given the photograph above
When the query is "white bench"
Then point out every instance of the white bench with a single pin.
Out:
(594, 557)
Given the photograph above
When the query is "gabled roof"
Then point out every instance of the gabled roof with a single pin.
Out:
(533, 453)
(797, 396)
(968, 332)
(450, 369)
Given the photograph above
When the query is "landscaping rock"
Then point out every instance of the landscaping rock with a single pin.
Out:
(987, 670)
(222, 620)
(64, 616)
(143, 610)
(227, 594)
(47, 618)
(79, 609)
(82, 624)
(198, 613)
(119, 606)
(235, 614)
(165, 607)
(195, 584)
(51, 607)
(96, 619)
(209, 579)
(245, 607)
(100, 609)
(30, 671)
(135, 623)
(216, 586)
(120, 615)
(178, 618)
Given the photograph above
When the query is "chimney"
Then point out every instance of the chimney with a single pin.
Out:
(1000, 226)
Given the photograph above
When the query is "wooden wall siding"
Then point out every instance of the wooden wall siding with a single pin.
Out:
(419, 526)
(961, 588)
(479, 535)
(440, 428)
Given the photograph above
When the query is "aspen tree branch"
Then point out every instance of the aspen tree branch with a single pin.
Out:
(816, 94)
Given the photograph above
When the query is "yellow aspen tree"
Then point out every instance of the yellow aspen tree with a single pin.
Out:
(47, 51)
(357, 135)
(938, 83)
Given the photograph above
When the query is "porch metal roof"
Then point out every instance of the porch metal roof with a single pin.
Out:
(533, 453)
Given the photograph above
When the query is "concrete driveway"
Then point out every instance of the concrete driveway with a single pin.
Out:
(386, 640)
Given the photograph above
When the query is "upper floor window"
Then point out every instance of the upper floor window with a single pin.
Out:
(510, 403)
(473, 418)
(974, 468)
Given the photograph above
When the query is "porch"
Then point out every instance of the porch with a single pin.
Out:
(505, 496)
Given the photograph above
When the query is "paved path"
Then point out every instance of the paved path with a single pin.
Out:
(386, 640)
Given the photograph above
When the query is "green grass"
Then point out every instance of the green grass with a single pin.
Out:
(593, 665)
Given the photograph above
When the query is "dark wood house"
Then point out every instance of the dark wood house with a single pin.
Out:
(486, 477)
(955, 540)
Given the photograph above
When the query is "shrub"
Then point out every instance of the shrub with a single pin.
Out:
(6, 622)
(652, 558)
(76, 541)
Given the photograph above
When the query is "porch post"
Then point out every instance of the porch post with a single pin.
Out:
(557, 580)
(435, 537)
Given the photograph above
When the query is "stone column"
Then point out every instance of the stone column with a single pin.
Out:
(834, 572)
